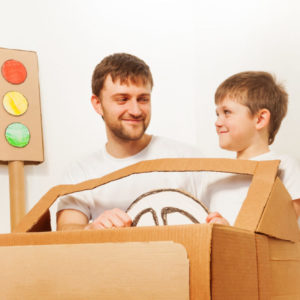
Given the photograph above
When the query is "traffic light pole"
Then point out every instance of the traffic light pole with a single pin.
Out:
(17, 192)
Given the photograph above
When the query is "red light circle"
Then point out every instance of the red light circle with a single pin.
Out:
(14, 71)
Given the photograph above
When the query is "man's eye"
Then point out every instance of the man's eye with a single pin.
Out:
(124, 99)
(143, 99)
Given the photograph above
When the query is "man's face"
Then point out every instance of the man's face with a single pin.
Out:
(125, 108)
(235, 125)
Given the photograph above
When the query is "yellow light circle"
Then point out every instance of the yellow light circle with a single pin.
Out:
(15, 103)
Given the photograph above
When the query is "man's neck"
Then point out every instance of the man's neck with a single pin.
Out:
(123, 148)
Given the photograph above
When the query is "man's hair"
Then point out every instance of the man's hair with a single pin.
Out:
(121, 66)
(256, 90)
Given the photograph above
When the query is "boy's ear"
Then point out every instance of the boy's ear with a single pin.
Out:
(96, 102)
(263, 118)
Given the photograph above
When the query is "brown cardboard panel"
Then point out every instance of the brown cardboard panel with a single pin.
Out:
(281, 250)
(234, 267)
(279, 218)
(154, 270)
(285, 278)
(33, 152)
(257, 196)
(285, 266)
(222, 262)
(264, 273)
(195, 238)
(264, 175)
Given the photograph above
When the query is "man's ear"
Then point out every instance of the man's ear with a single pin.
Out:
(96, 102)
(263, 118)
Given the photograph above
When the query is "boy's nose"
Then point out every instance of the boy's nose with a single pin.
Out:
(218, 122)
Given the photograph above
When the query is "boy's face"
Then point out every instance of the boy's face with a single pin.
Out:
(125, 108)
(235, 125)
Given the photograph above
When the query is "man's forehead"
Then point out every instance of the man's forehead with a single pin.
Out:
(126, 82)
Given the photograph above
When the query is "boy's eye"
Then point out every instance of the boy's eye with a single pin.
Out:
(227, 112)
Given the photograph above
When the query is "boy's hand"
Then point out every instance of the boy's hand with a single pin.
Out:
(111, 218)
(215, 217)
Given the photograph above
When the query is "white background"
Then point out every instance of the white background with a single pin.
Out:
(191, 47)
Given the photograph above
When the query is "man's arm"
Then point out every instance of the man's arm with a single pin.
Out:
(71, 219)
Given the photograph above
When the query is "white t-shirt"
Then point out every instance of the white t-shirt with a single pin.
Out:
(123, 192)
(226, 192)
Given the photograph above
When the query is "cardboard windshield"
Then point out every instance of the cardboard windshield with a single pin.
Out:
(256, 214)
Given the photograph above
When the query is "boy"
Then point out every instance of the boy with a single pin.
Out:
(250, 108)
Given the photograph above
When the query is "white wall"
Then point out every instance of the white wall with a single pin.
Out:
(191, 46)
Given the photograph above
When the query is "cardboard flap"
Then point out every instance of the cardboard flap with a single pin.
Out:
(279, 218)
(264, 176)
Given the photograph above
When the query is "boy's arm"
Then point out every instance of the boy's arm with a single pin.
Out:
(296, 203)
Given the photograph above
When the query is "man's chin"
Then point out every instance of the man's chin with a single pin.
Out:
(131, 136)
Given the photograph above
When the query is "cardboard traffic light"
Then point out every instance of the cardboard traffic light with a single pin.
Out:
(21, 137)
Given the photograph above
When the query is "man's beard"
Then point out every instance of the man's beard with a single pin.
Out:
(129, 135)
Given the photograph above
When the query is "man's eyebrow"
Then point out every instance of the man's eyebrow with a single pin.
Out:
(126, 94)
(120, 94)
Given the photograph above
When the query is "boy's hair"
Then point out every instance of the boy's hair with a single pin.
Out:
(256, 90)
(121, 66)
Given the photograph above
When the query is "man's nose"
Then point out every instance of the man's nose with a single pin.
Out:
(134, 108)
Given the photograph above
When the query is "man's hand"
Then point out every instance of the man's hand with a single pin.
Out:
(215, 217)
(111, 218)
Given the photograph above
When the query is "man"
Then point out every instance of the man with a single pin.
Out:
(121, 86)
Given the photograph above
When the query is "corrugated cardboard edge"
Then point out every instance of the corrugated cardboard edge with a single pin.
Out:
(158, 165)
(264, 272)
(195, 238)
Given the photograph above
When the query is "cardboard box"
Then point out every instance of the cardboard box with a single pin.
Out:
(258, 258)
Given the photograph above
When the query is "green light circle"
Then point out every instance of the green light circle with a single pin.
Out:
(17, 135)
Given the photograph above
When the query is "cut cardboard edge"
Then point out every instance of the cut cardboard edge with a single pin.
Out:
(279, 218)
(253, 207)
(159, 165)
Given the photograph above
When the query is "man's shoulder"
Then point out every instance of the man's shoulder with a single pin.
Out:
(82, 167)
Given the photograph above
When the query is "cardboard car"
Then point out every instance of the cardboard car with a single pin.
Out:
(257, 258)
